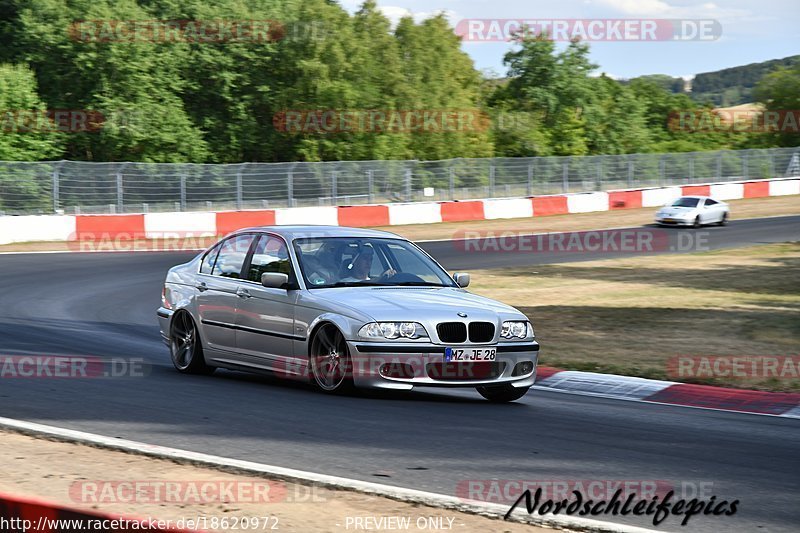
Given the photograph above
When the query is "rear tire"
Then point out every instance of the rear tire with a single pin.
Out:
(330, 362)
(185, 347)
(502, 394)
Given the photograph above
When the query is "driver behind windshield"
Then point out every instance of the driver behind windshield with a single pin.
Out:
(359, 267)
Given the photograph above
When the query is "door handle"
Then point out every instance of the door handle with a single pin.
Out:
(202, 287)
(242, 293)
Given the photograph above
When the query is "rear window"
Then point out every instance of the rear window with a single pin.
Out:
(231, 256)
(208, 261)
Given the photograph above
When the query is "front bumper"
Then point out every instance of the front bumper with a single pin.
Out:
(672, 221)
(402, 366)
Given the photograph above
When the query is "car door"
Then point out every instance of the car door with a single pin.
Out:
(265, 317)
(713, 211)
(217, 284)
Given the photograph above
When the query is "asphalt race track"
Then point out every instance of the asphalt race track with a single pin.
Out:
(104, 305)
(495, 250)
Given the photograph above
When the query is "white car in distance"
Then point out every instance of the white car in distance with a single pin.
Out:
(693, 211)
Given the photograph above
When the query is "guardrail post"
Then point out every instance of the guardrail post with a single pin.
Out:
(772, 165)
(370, 190)
(598, 186)
(120, 190)
(408, 184)
(452, 179)
(334, 188)
(565, 176)
(183, 192)
(662, 171)
(290, 189)
(239, 195)
(56, 193)
(530, 178)
(491, 181)
(630, 173)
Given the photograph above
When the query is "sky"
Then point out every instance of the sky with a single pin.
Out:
(735, 32)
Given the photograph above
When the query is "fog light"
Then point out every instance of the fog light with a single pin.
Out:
(397, 370)
(525, 367)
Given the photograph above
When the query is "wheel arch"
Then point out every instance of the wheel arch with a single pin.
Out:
(342, 323)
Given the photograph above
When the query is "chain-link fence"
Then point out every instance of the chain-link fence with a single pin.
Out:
(84, 187)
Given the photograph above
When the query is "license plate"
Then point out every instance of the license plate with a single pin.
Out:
(469, 354)
(668, 220)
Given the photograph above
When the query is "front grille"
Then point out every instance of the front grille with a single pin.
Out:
(465, 371)
(481, 332)
(452, 332)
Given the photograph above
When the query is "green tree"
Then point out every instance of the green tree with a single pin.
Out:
(780, 92)
(441, 77)
(26, 132)
(132, 78)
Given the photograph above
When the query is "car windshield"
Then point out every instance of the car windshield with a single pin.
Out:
(685, 202)
(353, 262)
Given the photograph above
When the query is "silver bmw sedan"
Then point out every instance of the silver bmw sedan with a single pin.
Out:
(342, 308)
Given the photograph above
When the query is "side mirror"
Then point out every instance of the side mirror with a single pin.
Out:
(275, 280)
(461, 279)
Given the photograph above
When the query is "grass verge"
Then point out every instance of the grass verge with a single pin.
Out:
(631, 316)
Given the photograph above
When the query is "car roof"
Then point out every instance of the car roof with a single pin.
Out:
(305, 231)
(697, 196)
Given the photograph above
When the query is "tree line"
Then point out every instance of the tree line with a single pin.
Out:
(214, 82)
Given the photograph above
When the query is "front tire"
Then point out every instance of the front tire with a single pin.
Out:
(696, 224)
(185, 347)
(330, 361)
(502, 394)
(724, 220)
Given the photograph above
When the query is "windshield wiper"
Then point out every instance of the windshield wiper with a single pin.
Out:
(350, 284)
(416, 284)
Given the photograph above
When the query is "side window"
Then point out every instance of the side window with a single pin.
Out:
(709, 201)
(270, 255)
(209, 259)
(231, 257)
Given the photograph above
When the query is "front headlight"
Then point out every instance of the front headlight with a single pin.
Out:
(517, 329)
(393, 330)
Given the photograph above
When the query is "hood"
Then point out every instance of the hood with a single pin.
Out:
(671, 210)
(415, 303)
